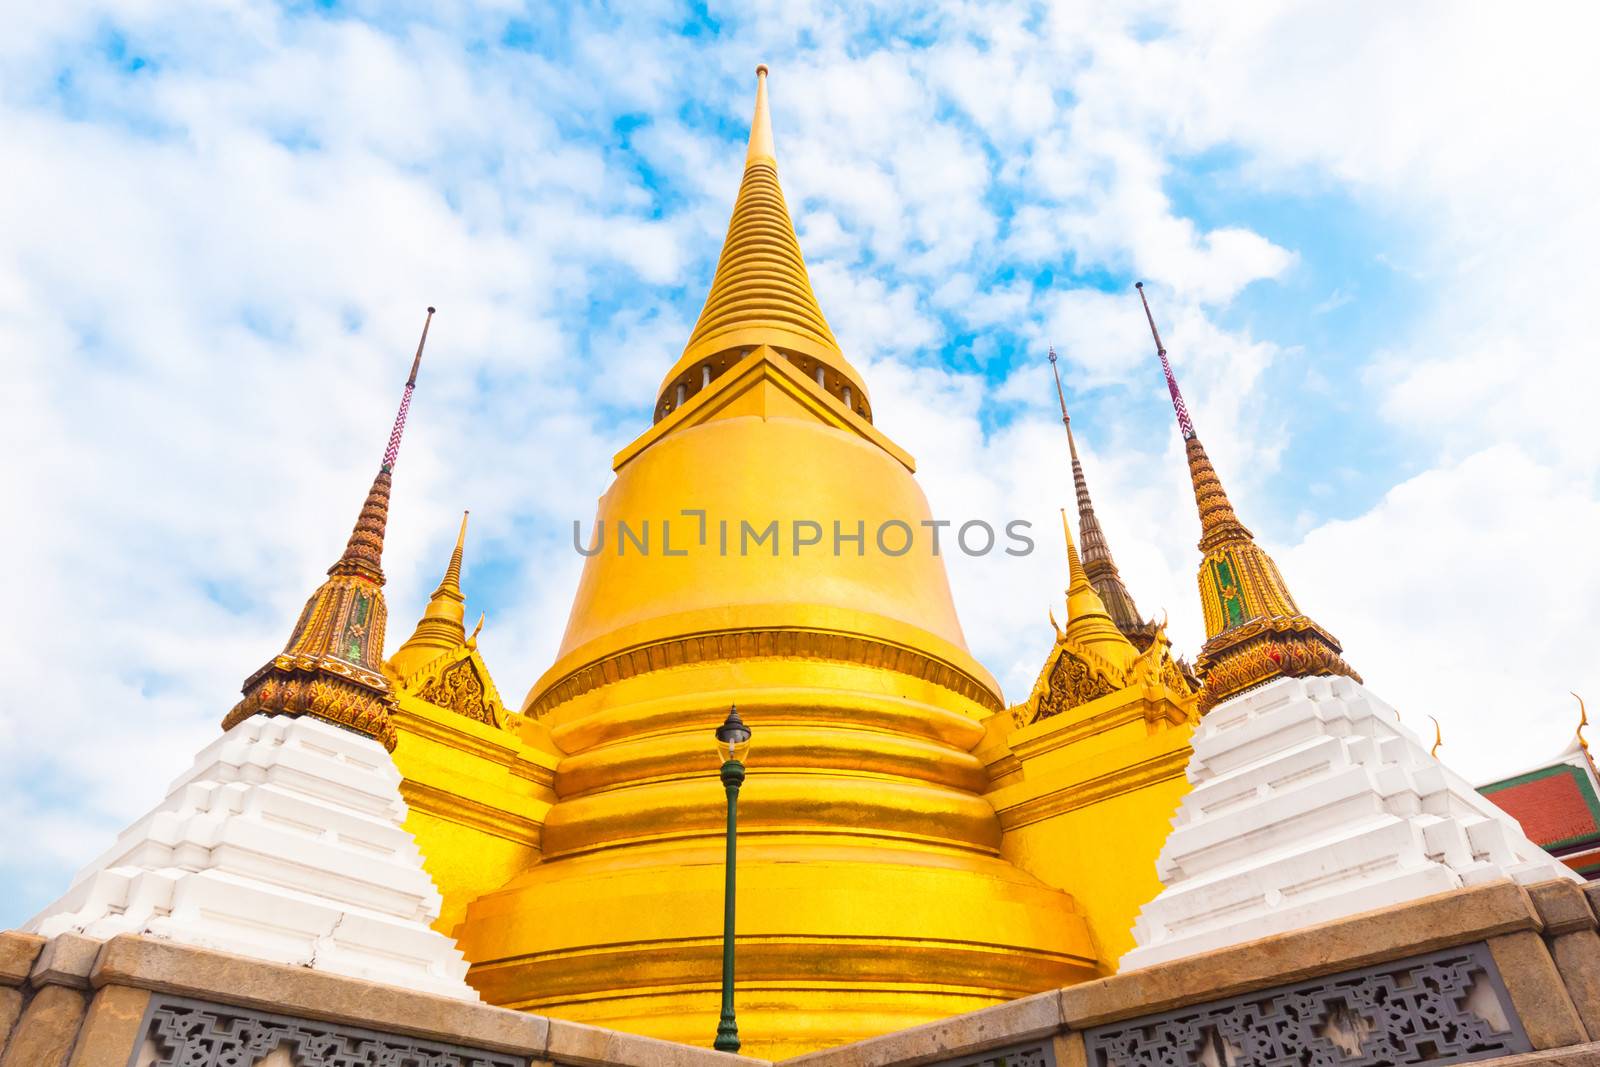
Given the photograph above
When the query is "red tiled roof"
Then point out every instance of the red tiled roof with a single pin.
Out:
(1554, 806)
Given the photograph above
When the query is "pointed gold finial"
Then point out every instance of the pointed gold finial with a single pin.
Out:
(1438, 739)
(761, 147)
(442, 626)
(761, 293)
(1077, 580)
(1583, 720)
(452, 573)
(1089, 625)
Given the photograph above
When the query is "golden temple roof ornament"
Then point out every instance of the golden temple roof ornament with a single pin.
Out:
(1254, 630)
(1089, 624)
(442, 627)
(1438, 739)
(332, 667)
(1583, 720)
(1092, 657)
(761, 293)
(1097, 561)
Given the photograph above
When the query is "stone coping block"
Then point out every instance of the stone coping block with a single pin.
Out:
(1585, 1055)
(66, 960)
(590, 1046)
(976, 1031)
(147, 963)
(17, 953)
(220, 977)
(1564, 907)
(1441, 921)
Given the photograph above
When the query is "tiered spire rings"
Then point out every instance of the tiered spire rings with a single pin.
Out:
(332, 667)
(1254, 630)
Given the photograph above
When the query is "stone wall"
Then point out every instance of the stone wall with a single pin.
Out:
(141, 1002)
(1537, 961)
(1495, 974)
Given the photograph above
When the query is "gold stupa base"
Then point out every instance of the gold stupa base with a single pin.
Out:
(837, 940)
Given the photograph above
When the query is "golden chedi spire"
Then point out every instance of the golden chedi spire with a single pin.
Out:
(1092, 657)
(1090, 626)
(332, 667)
(442, 627)
(1254, 630)
(761, 293)
(874, 893)
(1097, 561)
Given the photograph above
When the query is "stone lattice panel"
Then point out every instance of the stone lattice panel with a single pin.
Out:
(1029, 1054)
(191, 1033)
(1445, 1007)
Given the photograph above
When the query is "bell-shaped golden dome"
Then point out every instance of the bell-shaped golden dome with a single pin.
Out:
(736, 560)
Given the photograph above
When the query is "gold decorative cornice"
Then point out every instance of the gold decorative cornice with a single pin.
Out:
(749, 643)
(1254, 630)
(1161, 768)
(452, 807)
(1249, 656)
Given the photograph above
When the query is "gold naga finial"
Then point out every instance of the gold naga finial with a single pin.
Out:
(472, 642)
(1583, 720)
(1254, 630)
(1438, 739)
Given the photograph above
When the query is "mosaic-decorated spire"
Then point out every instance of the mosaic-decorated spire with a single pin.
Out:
(1097, 561)
(364, 552)
(1254, 630)
(332, 667)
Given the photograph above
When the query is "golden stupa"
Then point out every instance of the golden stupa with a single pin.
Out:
(910, 847)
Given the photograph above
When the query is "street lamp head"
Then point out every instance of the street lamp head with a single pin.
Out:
(733, 737)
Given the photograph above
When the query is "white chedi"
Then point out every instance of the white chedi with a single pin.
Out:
(282, 842)
(1311, 802)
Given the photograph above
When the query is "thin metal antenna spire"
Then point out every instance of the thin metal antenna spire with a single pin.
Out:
(1185, 426)
(392, 453)
(1061, 395)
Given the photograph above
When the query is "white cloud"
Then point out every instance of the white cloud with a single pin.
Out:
(215, 269)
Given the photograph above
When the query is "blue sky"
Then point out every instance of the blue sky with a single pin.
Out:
(1368, 247)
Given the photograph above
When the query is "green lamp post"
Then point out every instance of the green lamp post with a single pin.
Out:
(733, 741)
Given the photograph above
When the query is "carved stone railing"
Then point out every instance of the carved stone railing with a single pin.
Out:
(191, 1033)
(1441, 1008)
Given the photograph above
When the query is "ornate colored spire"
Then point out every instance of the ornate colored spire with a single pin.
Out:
(761, 293)
(364, 552)
(1254, 630)
(331, 668)
(442, 627)
(1097, 561)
